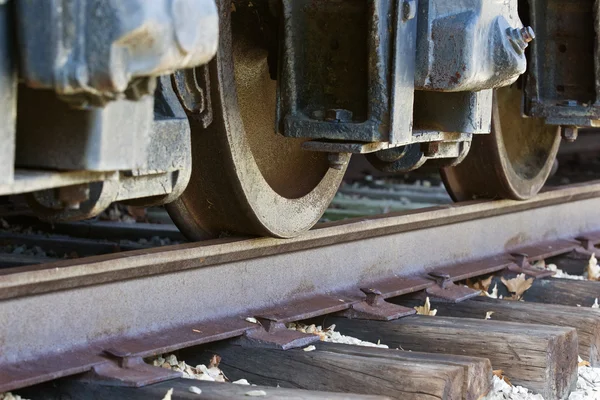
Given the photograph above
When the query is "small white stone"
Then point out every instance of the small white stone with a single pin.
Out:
(241, 382)
(252, 320)
(256, 393)
(195, 389)
(309, 348)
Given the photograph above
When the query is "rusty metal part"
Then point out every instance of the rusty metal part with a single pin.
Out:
(193, 90)
(127, 300)
(374, 307)
(275, 335)
(126, 370)
(446, 290)
(563, 84)
(375, 91)
(513, 162)
(245, 178)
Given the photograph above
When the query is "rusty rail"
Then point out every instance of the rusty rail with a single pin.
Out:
(71, 316)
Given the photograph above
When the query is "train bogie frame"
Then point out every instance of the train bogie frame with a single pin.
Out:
(241, 116)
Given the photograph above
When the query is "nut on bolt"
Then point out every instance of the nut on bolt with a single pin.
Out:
(520, 37)
(570, 133)
(338, 160)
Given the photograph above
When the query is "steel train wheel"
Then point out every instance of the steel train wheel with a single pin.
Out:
(245, 177)
(512, 162)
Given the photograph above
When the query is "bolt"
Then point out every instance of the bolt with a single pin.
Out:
(570, 133)
(520, 37)
(409, 9)
(117, 353)
(338, 160)
(373, 296)
(586, 243)
(527, 34)
(338, 115)
(521, 259)
(442, 278)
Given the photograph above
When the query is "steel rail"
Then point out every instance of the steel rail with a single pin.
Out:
(61, 316)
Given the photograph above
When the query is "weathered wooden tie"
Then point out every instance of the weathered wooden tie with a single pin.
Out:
(566, 292)
(586, 320)
(336, 372)
(542, 358)
(72, 389)
(478, 371)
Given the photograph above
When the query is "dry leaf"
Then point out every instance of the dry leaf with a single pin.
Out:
(196, 330)
(214, 361)
(168, 395)
(200, 372)
(493, 295)
(539, 264)
(500, 374)
(488, 315)
(425, 309)
(583, 363)
(593, 270)
(483, 284)
(517, 285)
(10, 396)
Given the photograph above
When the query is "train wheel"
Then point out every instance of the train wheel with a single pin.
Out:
(512, 162)
(245, 177)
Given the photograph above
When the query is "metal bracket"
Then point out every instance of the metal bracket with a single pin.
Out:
(375, 308)
(446, 290)
(192, 87)
(587, 246)
(123, 369)
(274, 335)
(522, 265)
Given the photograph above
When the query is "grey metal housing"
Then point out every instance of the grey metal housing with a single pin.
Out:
(97, 47)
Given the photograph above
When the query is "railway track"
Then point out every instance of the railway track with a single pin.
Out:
(85, 326)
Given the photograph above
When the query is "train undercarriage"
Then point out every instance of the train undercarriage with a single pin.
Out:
(241, 116)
